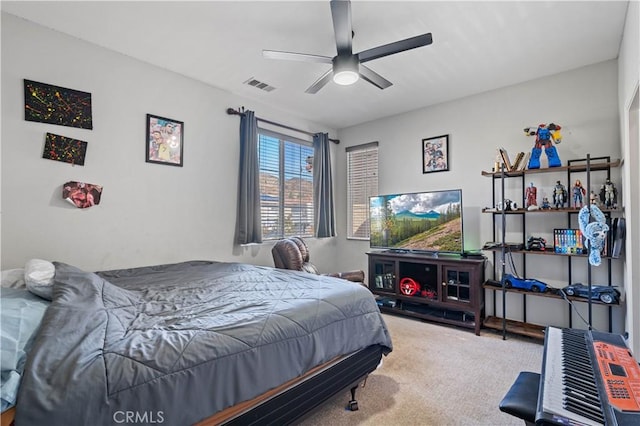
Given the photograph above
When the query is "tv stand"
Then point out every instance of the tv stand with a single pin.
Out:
(441, 289)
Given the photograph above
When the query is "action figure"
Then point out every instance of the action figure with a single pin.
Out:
(545, 136)
(593, 199)
(609, 194)
(578, 194)
(559, 195)
(545, 204)
(530, 194)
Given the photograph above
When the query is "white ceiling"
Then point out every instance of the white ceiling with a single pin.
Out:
(477, 46)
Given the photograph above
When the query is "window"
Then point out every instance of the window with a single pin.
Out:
(286, 185)
(362, 183)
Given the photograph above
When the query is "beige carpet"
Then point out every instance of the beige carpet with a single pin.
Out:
(437, 375)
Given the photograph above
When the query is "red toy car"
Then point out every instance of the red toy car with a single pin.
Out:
(429, 294)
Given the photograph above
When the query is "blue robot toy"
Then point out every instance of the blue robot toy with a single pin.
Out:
(545, 135)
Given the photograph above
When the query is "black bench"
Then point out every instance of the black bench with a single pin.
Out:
(522, 398)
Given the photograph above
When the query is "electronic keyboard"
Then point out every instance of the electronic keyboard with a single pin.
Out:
(588, 378)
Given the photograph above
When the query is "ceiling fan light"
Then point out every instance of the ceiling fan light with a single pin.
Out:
(346, 70)
(346, 77)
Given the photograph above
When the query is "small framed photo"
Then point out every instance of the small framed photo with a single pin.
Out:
(435, 154)
(164, 142)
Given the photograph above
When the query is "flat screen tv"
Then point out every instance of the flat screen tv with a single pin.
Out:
(421, 221)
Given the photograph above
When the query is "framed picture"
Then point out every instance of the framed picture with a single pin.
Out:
(164, 140)
(435, 154)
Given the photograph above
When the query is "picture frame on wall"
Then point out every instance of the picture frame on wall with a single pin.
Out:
(165, 139)
(435, 154)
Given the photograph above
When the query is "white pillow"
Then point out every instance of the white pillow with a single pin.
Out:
(38, 275)
(13, 278)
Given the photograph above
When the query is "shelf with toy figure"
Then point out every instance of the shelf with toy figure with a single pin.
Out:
(549, 210)
(552, 293)
(537, 330)
(598, 165)
(566, 196)
(548, 252)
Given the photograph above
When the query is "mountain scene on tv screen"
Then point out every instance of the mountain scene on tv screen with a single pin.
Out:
(425, 221)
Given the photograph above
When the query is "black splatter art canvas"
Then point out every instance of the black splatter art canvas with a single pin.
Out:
(62, 148)
(45, 103)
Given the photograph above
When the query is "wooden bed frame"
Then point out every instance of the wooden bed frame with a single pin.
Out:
(292, 400)
(8, 416)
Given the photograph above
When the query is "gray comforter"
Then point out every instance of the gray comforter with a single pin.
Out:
(174, 344)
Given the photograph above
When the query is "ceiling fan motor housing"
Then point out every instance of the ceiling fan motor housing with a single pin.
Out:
(346, 69)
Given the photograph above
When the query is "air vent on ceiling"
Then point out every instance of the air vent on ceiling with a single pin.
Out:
(259, 84)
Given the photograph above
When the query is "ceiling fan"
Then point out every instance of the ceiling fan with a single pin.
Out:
(348, 66)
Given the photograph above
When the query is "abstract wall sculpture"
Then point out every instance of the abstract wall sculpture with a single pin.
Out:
(62, 148)
(45, 103)
(82, 195)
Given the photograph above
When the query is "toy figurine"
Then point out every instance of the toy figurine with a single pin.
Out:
(595, 232)
(530, 194)
(559, 195)
(593, 199)
(545, 135)
(578, 194)
(545, 204)
(609, 194)
(497, 165)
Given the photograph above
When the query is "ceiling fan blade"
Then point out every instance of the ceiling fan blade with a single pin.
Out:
(374, 78)
(321, 82)
(396, 47)
(290, 56)
(341, 14)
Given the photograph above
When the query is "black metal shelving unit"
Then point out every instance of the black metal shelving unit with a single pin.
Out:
(504, 324)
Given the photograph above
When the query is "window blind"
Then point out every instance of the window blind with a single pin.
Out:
(362, 183)
(286, 185)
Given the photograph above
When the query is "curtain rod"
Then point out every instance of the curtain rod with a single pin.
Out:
(232, 111)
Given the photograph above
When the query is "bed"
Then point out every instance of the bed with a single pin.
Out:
(196, 343)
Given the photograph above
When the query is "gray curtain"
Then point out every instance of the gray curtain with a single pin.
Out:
(323, 187)
(248, 229)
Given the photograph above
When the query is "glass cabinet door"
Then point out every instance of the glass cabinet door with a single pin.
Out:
(384, 276)
(456, 285)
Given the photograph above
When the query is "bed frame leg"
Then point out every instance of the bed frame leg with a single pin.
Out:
(353, 404)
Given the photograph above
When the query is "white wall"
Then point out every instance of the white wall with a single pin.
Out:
(584, 102)
(628, 81)
(149, 213)
(152, 213)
